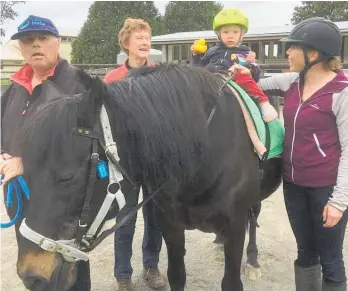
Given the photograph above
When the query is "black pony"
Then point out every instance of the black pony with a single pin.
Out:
(178, 129)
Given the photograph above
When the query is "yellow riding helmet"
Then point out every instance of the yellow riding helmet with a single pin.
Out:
(230, 16)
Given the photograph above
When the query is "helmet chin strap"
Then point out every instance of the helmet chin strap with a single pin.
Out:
(309, 65)
(240, 38)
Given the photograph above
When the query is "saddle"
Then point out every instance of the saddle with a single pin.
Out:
(267, 138)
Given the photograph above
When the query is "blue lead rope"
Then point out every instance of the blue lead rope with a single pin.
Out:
(21, 188)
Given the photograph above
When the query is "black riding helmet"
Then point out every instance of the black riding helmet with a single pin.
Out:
(319, 34)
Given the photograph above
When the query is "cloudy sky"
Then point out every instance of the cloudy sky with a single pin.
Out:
(69, 16)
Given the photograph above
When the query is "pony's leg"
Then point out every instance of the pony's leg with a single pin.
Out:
(83, 280)
(252, 267)
(174, 238)
(219, 239)
(233, 248)
(175, 241)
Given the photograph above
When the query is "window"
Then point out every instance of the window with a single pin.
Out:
(185, 49)
(67, 39)
(266, 49)
(275, 50)
(157, 47)
(281, 53)
(176, 53)
(255, 48)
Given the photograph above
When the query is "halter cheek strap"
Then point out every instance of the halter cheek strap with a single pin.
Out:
(309, 65)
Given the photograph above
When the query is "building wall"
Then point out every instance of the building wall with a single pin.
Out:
(268, 51)
(65, 50)
(9, 67)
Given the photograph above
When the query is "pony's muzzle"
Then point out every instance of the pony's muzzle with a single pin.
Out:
(34, 282)
(46, 271)
(35, 268)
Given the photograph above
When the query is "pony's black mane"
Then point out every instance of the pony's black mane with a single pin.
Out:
(46, 139)
(42, 139)
(159, 116)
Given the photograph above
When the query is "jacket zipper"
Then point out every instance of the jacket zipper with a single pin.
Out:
(318, 145)
(294, 133)
(293, 142)
(30, 100)
(25, 108)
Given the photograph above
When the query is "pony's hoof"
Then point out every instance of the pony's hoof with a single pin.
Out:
(252, 273)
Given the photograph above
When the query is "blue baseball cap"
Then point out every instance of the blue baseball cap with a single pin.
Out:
(36, 23)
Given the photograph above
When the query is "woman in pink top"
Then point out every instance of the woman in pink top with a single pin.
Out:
(135, 41)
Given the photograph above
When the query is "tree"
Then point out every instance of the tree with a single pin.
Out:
(7, 13)
(332, 10)
(183, 16)
(97, 41)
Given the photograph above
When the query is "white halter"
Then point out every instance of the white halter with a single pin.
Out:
(68, 248)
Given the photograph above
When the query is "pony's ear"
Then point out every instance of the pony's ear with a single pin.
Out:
(85, 78)
(95, 87)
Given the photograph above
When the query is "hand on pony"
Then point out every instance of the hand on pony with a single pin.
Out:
(10, 167)
(251, 57)
(236, 68)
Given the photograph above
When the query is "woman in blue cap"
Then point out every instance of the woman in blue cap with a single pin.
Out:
(44, 75)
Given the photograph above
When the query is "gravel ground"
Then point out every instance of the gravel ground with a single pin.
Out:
(204, 262)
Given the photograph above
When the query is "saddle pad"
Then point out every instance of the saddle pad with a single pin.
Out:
(276, 128)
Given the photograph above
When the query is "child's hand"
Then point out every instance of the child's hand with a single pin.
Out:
(251, 57)
(194, 52)
(240, 68)
(199, 46)
(268, 112)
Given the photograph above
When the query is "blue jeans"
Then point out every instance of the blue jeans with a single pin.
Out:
(152, 240)
(315, 243)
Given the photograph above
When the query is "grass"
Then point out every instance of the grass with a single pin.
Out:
(5, 82)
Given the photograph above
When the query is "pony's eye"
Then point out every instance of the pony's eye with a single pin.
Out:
(65, 177)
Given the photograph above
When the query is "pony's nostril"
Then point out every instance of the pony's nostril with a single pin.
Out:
(34, 282)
